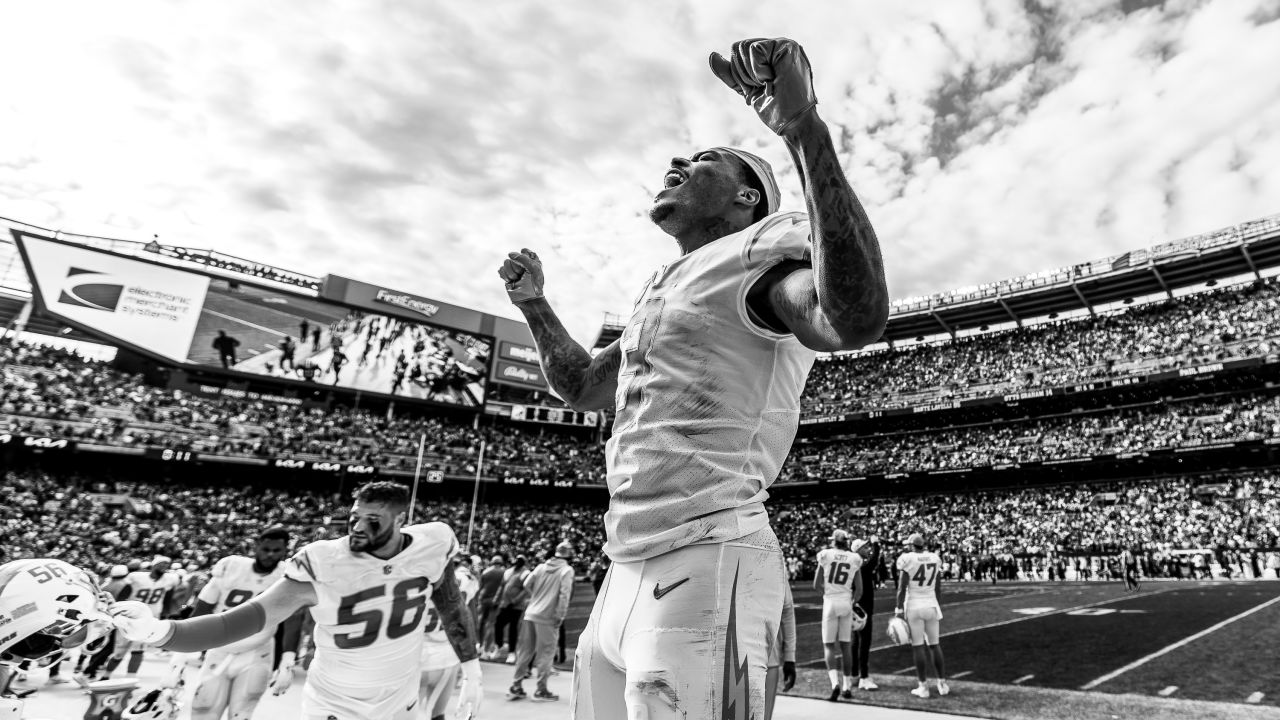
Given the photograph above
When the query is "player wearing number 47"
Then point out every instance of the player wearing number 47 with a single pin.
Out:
(706, 381)
(920, 600)
(368, 594)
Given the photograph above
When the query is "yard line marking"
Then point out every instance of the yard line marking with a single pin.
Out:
(961, 674)
(904, 670)
(1023, 679)
(1164, 651)
(1168, 691)
(242, 321)
(1025, 618)
(1255, 698)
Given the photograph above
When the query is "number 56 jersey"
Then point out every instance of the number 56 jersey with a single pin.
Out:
(369, 614)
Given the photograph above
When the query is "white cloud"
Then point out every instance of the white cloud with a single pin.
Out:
(413, 144)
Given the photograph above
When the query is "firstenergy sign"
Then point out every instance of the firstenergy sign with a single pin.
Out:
(152, 307)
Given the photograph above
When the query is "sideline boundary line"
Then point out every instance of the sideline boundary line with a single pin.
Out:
(1170, 648)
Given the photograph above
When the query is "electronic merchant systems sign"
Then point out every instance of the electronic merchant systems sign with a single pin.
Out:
(152, 307)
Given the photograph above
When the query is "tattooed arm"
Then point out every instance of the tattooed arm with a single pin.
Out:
(840, 301)
(455, 616)
(584, 382)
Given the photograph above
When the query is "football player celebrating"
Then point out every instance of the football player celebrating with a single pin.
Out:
(152, 588)
(706, 380)
(234, 677)
(440, 663)
(920, 602)
(839, 577)
(367, 593)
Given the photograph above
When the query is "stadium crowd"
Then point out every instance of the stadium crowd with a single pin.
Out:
(50, 392)
(96, 522)
(1137, 429)
(1235, 322)
(1023, 533)
(1014, 533)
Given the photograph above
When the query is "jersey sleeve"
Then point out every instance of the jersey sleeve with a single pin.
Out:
(440, 545)
(855, 562)
(781, 236)
(212, 591)
(307, 564)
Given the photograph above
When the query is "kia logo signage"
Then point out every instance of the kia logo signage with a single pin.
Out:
(41, 442)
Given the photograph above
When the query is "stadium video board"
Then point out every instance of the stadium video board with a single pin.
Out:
(195, 319)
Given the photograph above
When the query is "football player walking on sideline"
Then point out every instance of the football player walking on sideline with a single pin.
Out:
(151, 588)
(839, 577)
(1129, 568)
(367, 593)
(920, 602)
(234, 677)
(706, 381)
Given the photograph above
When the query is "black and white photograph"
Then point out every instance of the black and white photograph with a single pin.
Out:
(671, 360)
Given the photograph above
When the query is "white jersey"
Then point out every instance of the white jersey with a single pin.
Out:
(369, 615)
(922, 570)
(839, 569)
(232, 583)
(437, 651)
(708, 401)
(150, 591)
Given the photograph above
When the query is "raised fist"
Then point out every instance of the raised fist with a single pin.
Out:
(773, 75)
(522, 272)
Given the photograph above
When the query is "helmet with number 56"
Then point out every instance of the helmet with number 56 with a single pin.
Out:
(47, 607)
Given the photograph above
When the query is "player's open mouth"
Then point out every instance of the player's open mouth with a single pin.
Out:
(673, 178)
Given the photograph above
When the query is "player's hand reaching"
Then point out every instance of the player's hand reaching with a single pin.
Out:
(282, 678)
(135, 621)
(773, 75)
(470, 692)
(522, 272)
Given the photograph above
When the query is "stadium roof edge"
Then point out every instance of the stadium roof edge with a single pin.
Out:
(1242, 249)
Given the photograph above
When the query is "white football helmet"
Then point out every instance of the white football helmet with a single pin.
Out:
(46, 607)
(899, 631)
(859, 618)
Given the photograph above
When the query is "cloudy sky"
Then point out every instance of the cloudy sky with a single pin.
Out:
(412, 143)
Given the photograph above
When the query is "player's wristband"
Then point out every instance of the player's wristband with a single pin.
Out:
(211, 631)
(288, 659)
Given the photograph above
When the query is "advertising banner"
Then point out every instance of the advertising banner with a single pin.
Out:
(214, 322)
(150, 306)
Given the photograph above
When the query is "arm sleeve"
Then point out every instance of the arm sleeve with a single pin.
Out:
(566, 592)
(211, 631)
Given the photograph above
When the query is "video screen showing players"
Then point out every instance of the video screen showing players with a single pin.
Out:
(266, 332)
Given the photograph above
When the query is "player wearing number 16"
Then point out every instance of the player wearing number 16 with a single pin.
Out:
(368, 594)
(839, 577)
(919, 600)
(706, 382)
